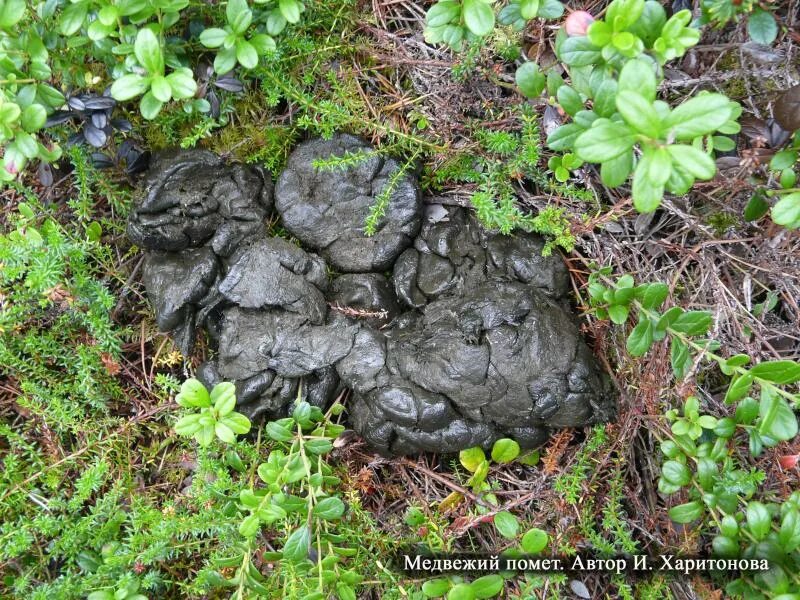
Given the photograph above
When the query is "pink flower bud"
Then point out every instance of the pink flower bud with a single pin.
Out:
(578, 22)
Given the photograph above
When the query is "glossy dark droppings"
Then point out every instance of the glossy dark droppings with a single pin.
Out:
(447, 336)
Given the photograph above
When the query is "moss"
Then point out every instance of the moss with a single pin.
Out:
(722, 221)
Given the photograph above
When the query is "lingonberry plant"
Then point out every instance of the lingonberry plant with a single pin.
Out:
(141, 48)
(700, 463)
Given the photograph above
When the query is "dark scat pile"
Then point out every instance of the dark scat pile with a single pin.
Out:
(448, 336)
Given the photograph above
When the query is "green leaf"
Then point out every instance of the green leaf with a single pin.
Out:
(205, 435)
(761, 27)
(786, 211)
(11, 11)
(461, 591)
(506, 524)
(618, 313)
(434, 588)
(33, 118)
(442, 13)
(263, 44)
(345, 592)
(148, 52)
(686, 513)
(652, 296)
(238, 423)
(699, 116)
(528, 8)
(676, 473)
(290, 9)
(187, 425)
(776, 418)
(478, 17)
(739, 388)
(680, 359)
(487, 586)
(695, 162)
(505, 450)
(296, 547)
(639, 113)
(646, 193)
(637, 76)
(615, 172)
(789, 535)
(569, 99)
(725, 547)
(239, 15)
(213, 37)
(530, 80)
(534, 541)
(783, 160)
(193, 394)
(246, 54)
(579, 52)
(278, 432)
(129, 86)
(693, 322)
(756, 208)
(224, 433)
(72, 18)
(159, 87)
(624, 13)
(758, 519)
(641, 338)
(781, 372)
(604, 141)
(223, 396)
(182, 83)
(329, 509)
(471, 458)
(225, 61)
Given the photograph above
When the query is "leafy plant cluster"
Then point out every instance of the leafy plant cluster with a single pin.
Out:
(628, 131)
(786, 211)
(701, 463)
(616, 64)
(142, 48)
(761, 24)
(454, 22)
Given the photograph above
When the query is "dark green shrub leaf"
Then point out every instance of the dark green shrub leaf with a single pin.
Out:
(506, 524)
(758, 519)
(530, 80)
(725, 547)
(776, 418)
(478, 17)
(579, 52)
(761, 27)
(686, 513)
(604, 141)
(756, 208)
(738, 389)
(676, 473)
(786, 211)
(296, 547)
(329, 509)
(699, 116)
(640, 339)
(693, 322)
(781, 372)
